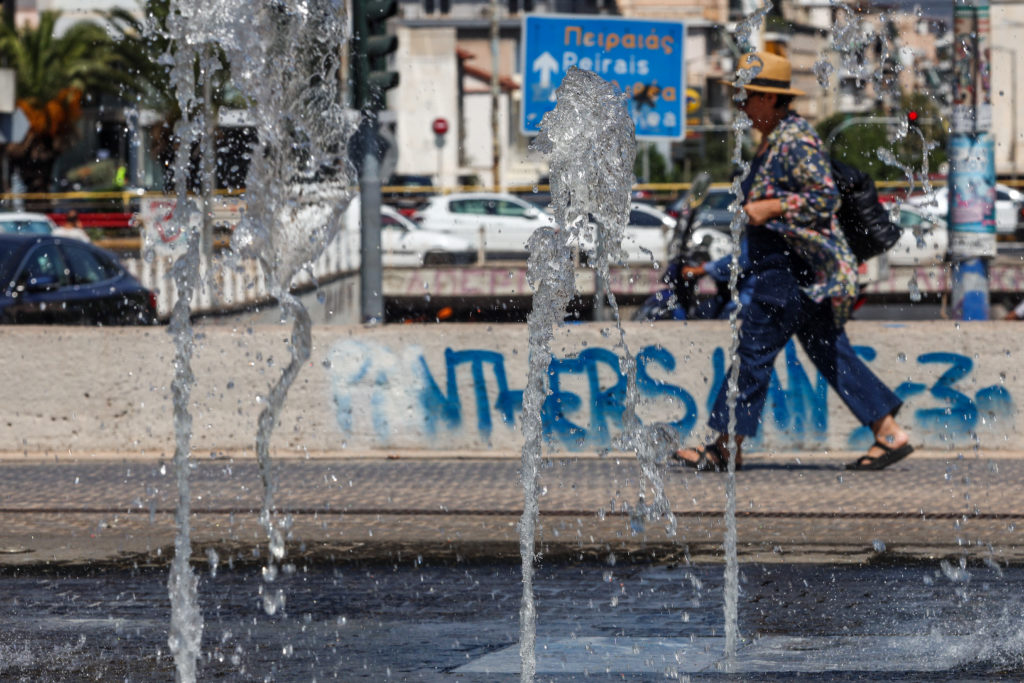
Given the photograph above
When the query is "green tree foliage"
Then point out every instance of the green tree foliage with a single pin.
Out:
(858, 144)
(140, 51)
(712, 152)
(54, 74)
(145, 49)
(660, 170)
(80, 59)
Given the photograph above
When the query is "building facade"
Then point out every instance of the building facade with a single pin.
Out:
(451, 68)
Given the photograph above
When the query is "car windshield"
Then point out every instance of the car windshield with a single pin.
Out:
(718, 200)
(909, 219)
(24, 227)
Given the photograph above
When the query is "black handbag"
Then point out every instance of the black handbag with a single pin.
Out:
(863, 219)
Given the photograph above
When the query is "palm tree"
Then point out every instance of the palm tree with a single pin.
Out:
(140, 50)
(53, 75)
(142, 47)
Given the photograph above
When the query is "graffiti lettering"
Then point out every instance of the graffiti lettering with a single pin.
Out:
(583, 410)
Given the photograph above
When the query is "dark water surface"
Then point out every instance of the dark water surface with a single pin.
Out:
(596, 622)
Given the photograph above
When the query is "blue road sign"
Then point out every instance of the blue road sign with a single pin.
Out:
(643, 57)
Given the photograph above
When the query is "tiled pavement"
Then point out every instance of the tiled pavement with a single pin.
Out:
(792, 507)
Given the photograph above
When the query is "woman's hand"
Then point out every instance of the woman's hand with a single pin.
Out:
(763, 210)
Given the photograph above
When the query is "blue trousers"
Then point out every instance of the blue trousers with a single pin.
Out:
(779, 309)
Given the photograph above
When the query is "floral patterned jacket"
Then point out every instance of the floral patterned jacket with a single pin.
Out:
(797, 171)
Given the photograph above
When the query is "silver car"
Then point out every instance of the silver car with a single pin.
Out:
(924, 242)
(403, 243)
(28, 223)
(503, 222)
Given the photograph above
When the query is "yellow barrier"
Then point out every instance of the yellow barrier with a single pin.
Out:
(49, 202)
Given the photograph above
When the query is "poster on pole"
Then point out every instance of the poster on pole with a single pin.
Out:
(972, 194)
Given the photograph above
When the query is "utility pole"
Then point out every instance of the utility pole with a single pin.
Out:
(972, 175)
(371, 79)
(495, 98)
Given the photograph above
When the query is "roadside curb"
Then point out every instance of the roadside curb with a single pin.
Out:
(780, 457)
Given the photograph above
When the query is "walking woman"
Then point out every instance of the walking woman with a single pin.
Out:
(805, 280)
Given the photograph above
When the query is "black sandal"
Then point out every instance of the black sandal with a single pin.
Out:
(888, 457)
(712, 459)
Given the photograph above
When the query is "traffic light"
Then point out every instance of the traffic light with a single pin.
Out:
(912, 118)
(371, 46)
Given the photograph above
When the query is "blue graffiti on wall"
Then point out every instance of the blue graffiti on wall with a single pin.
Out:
(957, 414)
(587, 394)
(603, 408)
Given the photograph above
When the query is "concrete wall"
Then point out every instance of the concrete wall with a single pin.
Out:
(457, 388)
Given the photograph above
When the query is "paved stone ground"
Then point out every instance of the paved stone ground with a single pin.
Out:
(791, 508)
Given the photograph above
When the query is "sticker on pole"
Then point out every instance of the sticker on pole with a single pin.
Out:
(643, 58)
(160, 232)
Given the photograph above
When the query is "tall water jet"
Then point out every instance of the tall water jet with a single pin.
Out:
(285, 61)
(737, 225)
(591, 142)
(192, 65)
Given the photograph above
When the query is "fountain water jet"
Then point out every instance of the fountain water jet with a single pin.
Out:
(591, 142)
(292, 213)
(186, 27)
(736, 226)
(276, 203)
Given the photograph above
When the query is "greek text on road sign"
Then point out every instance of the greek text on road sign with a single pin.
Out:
(644, 58)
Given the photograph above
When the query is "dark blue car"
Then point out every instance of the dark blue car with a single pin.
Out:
(55, 280)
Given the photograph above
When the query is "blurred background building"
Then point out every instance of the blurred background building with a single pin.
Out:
(459, 58)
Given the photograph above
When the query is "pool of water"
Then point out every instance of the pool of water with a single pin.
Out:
(596, 621)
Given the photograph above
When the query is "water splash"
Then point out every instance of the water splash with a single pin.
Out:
(186, 629)
(591, 143)
(741, 123)
(296, 196)
(297, 185)
(550, 274)
(748, 28)
(850, 38)
(191, 56)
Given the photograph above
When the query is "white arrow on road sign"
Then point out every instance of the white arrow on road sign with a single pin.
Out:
(546, 65)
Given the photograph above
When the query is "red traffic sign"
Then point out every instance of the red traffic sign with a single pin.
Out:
(440, 126)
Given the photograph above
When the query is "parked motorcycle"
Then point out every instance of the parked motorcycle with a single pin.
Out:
(678, 300)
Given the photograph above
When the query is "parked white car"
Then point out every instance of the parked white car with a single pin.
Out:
(647, 234)
(504, 220)
(924, 242)
(1009, 207)
(28, 223)
(404, 244)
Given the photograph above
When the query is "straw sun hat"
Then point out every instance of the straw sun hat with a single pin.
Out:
(774, 75)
